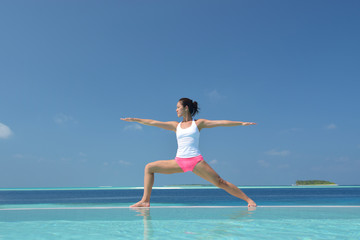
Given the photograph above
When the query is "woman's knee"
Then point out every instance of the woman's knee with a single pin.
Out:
(153, 167)
(150, 167)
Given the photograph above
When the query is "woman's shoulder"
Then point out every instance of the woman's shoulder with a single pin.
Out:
(175, 123)
(200, 123)
(201, 120)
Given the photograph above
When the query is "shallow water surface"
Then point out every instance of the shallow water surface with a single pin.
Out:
(183, 223)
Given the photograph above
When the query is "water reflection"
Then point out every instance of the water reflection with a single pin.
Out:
(145, 213)
(241, 214)
(218, 218)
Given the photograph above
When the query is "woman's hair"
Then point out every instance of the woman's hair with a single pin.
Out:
(192, 105)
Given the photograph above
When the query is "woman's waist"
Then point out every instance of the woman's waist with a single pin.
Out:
(186, 152)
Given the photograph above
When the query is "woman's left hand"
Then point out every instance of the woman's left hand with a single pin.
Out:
(249, 123)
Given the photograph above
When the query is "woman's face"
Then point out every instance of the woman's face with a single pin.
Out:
(180, 109)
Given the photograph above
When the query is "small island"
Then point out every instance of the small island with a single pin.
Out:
(313, 182)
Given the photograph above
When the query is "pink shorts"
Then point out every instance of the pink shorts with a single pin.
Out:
(188, 164)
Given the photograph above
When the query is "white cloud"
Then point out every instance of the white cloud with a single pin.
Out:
(214, 95)
(81, 154)
(65, 159)
(27, 157)
(331, 126)
(282, 153)
(281, 166)
(18, 156)
(5, 131)
(213, 161)
(133, 127)
(342, 159)
(263, 163)
(291, 130)
(63, 118)
(122, 162)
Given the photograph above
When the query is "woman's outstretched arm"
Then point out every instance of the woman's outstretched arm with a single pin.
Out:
(165, 125)
(204, 123)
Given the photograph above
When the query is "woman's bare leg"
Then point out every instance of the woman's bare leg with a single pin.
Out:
(204, 170)
(165, 167)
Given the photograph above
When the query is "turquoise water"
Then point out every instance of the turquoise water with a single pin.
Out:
(325, 213)
(183, 223)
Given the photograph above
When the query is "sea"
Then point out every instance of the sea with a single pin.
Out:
(182, 196)
(283, 212)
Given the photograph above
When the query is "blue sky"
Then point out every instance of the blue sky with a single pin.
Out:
(70, 70)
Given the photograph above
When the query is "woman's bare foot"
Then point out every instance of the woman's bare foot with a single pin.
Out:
(141, 204)
(251, 203)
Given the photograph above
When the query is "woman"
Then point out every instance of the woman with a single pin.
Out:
(188, 157)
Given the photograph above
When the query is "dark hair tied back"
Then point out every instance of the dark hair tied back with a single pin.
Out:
(192, 105)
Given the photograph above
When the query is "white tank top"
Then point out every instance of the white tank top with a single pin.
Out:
(188, 141)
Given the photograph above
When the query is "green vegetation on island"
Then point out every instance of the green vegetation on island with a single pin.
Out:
(313, 182)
